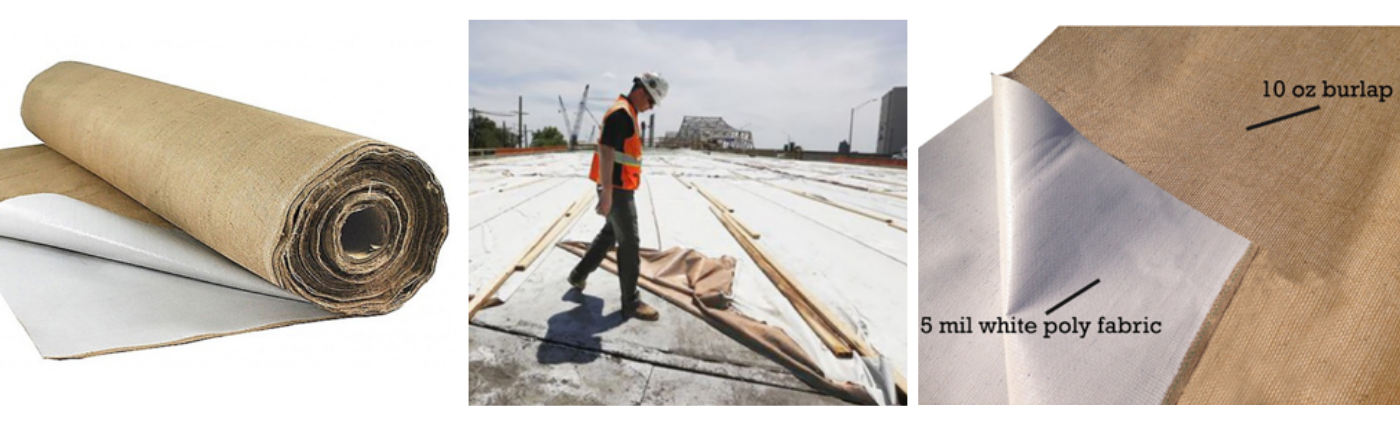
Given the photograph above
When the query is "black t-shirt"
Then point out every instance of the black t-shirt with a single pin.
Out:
(617, 128)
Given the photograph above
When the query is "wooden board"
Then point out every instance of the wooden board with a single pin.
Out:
(487, 297)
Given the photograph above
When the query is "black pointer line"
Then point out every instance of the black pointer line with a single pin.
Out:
(1071, 297)
(1283, 118)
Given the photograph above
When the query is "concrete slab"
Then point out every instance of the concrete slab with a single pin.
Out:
(669, 387)
(546, 307)
(697, 362)
(508, 369)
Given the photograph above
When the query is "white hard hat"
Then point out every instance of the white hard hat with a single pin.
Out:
(655, 85)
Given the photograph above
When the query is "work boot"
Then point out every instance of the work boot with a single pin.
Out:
(643, 312)
(577, 283)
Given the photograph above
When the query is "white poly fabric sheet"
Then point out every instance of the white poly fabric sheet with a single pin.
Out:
(672, 214)
(1020, 212)
(85, 281)
(958, 263)
(806, 240)
(690, 223)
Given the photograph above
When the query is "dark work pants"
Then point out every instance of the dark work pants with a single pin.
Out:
(621, 229)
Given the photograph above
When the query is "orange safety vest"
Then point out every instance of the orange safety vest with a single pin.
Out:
(630, 159)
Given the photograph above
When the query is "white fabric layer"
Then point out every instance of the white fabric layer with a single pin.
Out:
(1066, 214)
(958, 263)
(63, 222)
(809, 237)
(690, 223)
(865, 289)
(83, 280)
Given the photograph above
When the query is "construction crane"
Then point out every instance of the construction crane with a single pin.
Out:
(595, 119)
(564, 112)
(596, 124)
(572, 126)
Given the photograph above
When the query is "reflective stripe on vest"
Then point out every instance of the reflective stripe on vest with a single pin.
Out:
(625, 159)
(628, 161)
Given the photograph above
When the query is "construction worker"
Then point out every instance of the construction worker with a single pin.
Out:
(617, 169)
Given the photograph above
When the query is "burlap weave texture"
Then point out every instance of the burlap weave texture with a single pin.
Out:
(351, 224)
(1313, 319)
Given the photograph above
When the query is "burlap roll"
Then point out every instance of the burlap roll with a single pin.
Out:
(351, 224)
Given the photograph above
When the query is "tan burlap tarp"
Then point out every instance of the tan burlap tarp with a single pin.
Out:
(1315, 318)
(700, 285)
(351, 224)
(38, 169)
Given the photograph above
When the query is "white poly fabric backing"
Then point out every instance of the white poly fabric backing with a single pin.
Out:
(958, 265)
(1020, 212)
(85, 281)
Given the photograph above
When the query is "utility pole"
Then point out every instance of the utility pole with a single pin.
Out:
(651, 134)
(851, 131)
(520, 119)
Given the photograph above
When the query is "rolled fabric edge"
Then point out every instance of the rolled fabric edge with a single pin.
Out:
(364, 236)
(354, 226)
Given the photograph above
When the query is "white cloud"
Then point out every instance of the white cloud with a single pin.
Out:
(773, 77)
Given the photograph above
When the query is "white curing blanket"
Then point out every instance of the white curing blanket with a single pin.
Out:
(1018, 212)
(84, 281)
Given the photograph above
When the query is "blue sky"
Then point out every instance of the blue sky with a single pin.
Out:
(775, 78)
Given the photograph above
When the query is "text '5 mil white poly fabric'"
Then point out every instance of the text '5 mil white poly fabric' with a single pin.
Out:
(1021, 215)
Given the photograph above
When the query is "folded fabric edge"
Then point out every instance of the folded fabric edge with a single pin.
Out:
(776, 347)
(191, 339)
(1201, 342)
(1208, 327)
(116, 232)
(1219, 305)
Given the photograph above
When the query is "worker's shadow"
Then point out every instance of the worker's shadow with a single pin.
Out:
(578, 328)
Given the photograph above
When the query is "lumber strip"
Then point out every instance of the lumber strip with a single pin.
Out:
(712, 200)
(842, 206)
(520, 185)
(548, 238)
(487, 297)
(782, 280)
(872, 179)
(717, 204)
(683, 182)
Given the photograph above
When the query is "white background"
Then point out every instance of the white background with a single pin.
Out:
(391, 73)
(397, 71)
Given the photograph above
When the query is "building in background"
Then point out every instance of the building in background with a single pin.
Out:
(709, 133)
(894, 122)
(667, 140)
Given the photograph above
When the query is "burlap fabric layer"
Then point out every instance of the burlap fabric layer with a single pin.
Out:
(1191, 109)
(703, 286)
(170, 216)
(1314, 319)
